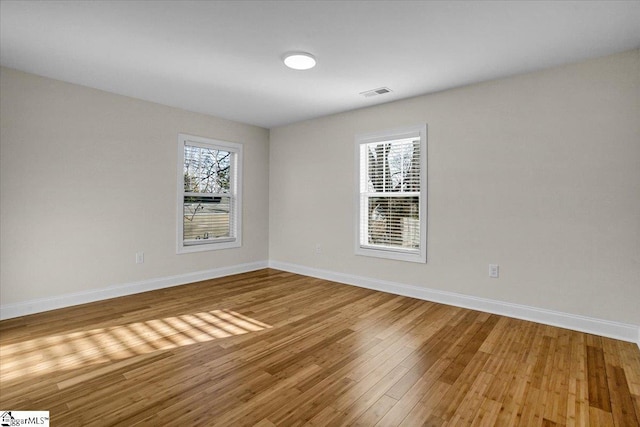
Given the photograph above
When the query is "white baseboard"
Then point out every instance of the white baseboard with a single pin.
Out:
(607, 328)
(9, 311)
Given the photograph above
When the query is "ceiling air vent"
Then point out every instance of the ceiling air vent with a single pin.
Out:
(375, 92)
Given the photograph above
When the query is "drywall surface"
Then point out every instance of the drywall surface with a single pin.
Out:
(89, 178)
(539, 173)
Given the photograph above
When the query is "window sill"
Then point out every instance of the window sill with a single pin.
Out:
(213, 246)
(398, 255)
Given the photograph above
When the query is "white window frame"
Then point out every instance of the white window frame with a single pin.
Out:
(361, 248)
(235, 191)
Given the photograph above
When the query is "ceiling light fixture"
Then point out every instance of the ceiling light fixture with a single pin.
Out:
(299, 60)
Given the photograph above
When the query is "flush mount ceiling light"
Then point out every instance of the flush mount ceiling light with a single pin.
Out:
(299, 60)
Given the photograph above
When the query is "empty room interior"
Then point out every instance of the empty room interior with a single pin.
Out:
(282, 213)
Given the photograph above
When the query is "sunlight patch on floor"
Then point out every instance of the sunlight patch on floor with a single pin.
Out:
(84, 348)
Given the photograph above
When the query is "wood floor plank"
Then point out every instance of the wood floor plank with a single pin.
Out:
(598, 387)
(422, 412)
(271, 348)
(375, 412)
(622, 408)
(358, 405)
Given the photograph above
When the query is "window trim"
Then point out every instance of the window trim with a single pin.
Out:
(235, 191)
(419, 256)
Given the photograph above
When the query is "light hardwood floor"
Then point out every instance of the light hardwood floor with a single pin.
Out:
(274, 348)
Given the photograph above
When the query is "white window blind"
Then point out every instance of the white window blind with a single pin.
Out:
(209, 217)
(392, 188)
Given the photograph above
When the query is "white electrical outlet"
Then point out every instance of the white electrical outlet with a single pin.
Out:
(494, 271)
(318, 248)
(139, 257)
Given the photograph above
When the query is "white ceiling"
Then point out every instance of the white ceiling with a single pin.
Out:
(224, 57)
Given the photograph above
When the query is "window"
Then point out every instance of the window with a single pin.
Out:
(209, 202)
(392, 188)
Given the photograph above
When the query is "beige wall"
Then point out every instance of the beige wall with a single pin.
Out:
(88, 179)
(539, 173)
